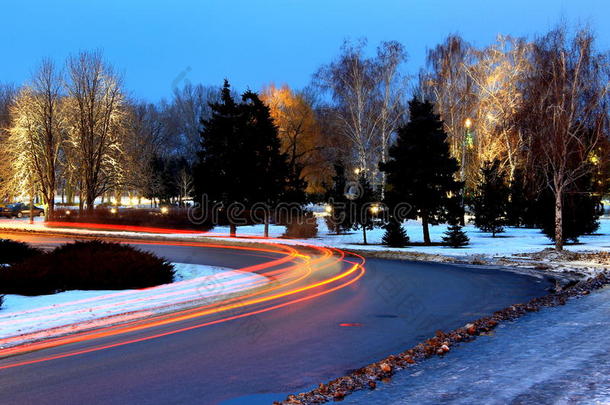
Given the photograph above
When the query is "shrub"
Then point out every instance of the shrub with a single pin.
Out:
(91, 265)
(12, 251)
(1, 301)
(304, 227)
(176, 218)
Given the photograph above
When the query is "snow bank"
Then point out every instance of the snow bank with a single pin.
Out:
(71, 311)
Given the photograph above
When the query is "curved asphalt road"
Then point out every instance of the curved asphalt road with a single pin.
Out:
(263, 357)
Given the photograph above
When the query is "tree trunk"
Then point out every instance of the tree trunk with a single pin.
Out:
(558, 220)
(31, 208)
(424, 223)
(50, 207)
(266, 224)
(233, 230)
(364, 235)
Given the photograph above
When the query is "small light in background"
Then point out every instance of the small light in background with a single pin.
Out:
(67, 212)
(113, 210)
(164, 210)
(328, 208)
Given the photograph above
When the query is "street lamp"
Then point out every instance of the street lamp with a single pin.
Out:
(467, 138)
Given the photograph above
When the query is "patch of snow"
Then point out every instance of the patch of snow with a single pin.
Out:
(25, 318)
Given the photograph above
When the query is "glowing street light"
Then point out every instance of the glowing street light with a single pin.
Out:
(468, 123)
(164, 210)
(113, 210)
(328, 208)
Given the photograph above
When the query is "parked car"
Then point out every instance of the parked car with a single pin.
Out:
(19, 210)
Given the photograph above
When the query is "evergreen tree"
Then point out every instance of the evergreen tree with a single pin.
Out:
(361, 206)
(224, 170)
(394, 235)
(491, 199)
(581, 212)
(339, 219)
(240, 161)
(516, 212)
(455, 236)
(421, 171)
(269, 166)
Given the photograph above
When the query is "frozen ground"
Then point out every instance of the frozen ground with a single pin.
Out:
(23, 317)
(556, 356)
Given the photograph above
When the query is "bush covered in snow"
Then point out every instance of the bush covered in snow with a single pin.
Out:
(12, 251)
(91, 265)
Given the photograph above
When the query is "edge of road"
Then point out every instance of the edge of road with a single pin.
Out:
(368, 376)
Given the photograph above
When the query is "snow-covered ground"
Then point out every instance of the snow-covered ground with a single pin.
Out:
(513, 240)
(27, 318)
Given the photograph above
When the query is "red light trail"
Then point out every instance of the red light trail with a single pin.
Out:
(302, 272)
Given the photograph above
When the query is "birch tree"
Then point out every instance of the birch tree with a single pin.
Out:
(566, 111)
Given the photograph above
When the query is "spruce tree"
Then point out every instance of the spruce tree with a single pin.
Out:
(516, 212)
(339, 219)
(240, 160)
(361, 206)
(455, 236)
(223, 159)
(421, 171)
(394, 235)
(269, 166)
(491, 199)
(581, 212)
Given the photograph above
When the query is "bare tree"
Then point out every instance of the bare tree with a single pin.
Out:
(565, 111)
(497, 74)
(390, 55)
(453, 90)
(37, 134)
(352, 82)
(96, 110)
(183, 116)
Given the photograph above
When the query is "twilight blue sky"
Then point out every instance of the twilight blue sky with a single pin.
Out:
(253, 42)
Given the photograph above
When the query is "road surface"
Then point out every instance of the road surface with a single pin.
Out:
(259, 358)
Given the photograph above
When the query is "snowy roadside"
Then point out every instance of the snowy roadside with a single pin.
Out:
(24, 319)
(523, 248)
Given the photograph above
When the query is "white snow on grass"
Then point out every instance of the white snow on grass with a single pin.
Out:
(513, 240)
(27, 318)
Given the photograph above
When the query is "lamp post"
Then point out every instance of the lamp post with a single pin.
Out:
(468, 125)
